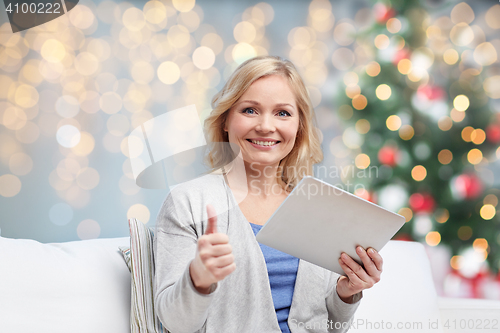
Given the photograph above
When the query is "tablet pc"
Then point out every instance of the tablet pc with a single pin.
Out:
(318, 221)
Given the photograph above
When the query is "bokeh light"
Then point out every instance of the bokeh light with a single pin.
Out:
(362, 126)
(20, 164)
(478, 136)
(450, 56)
(485, 54)
(487, 212)
(445, 123)
(203, 57)
(461, 34)
(373, 68)
(140, 212)
(393, 25)
(461, 103)
(383, 92)
(462, 12)
(406, 132)
(183, 5)
(362, 161)
(480, 244)
(474, 156)
(10, 185)
(445, 156)
(68, 136)
(26, 96)
(359, 102)
(433, 238)
(407, 213)
(242, 52)
(53, 51)
(457, 116)
(490, 199)
(404, 66)
(381, 41)
(419, 173)
(168, 72)
(492, 17)
(393, 122)
(85, 146)
(88, 229)
(442, 215)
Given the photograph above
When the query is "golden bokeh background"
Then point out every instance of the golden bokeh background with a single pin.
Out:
(71, 91)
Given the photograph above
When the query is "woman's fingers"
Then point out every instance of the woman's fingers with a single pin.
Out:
(355, 267)
(353, 278)
(212, 220)
(222, 261)
(216, 250)
(370, 266)
(359, 277)
(217, 238)
(377, 259)
(225, 271)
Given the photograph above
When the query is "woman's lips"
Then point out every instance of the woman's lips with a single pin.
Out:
(264, 147)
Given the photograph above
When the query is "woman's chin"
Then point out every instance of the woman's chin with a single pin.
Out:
(259, 163)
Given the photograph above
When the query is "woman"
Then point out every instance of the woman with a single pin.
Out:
(211, 273)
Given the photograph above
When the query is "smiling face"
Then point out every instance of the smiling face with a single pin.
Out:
(264, 121)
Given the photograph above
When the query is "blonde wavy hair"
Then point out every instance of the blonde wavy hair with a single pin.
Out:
(307, 148)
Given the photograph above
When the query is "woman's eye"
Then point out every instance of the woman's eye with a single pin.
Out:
(248, 109)
(284, 112)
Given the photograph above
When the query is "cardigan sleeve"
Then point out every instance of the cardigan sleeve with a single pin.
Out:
(178, 305)
(340, 314)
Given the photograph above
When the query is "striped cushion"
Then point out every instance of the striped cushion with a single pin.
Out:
(140, 260)
(125, 250)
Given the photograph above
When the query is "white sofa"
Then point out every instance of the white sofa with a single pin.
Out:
(84, 286)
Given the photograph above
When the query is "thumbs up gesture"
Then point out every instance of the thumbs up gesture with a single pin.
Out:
(214, 258)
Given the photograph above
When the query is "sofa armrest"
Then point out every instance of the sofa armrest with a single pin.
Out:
(405, 299)
(78, 287)
(464, 315)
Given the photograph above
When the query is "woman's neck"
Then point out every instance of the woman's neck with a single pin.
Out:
(262, 181)
(255, 180)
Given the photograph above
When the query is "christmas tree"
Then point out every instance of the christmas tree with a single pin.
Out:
(419, 116)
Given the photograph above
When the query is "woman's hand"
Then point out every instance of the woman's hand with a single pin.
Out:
(358, 278)
(214, 258)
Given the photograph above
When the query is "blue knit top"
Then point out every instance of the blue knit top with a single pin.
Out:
(282, 270)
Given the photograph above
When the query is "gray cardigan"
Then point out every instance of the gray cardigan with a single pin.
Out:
(242, 302)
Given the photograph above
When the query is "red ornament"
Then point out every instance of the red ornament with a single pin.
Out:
(388, 155)
(383, 13)
(422, 202)
(493, 133)
(474, 283)
(469, 186)
(477, 281)
(430, 93)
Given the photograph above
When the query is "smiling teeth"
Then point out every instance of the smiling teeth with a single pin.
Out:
(264, 143)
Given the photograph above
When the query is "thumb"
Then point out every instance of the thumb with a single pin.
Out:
(212, 220)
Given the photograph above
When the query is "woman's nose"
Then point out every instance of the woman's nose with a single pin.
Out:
(266, 123)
